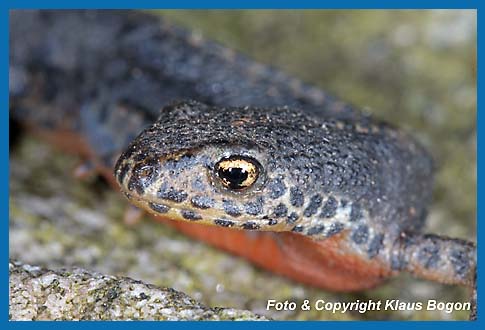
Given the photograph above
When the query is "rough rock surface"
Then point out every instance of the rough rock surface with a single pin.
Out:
(40, 294)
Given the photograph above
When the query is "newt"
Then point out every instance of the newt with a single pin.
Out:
(248, 159)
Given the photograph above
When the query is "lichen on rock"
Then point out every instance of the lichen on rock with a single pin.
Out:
(41, 294)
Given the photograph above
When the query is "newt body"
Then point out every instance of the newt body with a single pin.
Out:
(321, 192)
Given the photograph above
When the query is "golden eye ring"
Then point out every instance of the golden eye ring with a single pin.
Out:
(237, 173)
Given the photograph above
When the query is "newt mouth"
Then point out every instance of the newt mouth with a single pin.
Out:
(185, 211)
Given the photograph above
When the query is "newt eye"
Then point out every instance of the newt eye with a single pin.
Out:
(237, 172)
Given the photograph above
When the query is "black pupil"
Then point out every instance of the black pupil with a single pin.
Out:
(234, 176)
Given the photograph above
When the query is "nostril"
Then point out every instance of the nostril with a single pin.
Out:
(145, 174)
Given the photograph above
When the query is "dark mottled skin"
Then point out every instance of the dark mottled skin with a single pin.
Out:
(105, 75)
(385, 171)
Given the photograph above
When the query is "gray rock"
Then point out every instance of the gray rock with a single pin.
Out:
(40, 294)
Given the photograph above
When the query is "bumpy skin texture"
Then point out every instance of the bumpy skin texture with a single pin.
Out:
(328, 175)
(342, 196)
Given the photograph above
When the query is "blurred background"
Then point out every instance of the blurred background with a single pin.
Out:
(416, 69)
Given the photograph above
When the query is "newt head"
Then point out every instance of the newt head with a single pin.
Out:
(193, 165)
(276, 169)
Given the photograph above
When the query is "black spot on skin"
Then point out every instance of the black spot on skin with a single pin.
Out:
(335, 228)
(272, 222)
(398, 262)
(297, 229)
(277, 188)
(169, 193)
(375, 245)
(461, 262)
(429, 256)
(292, 218)
(231, 208)
(250, 226)
(316, 230)
(296, 197)
(190, 215)
(133, 184)
(122, 173)
(313, 206)
(355, 213)
(280, 210)
(202, 202)
(360, 234)
(159, 208)
(254, 208)
(330, 208)
(224, 223)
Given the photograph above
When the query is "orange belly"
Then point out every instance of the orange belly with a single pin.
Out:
(326, 264)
